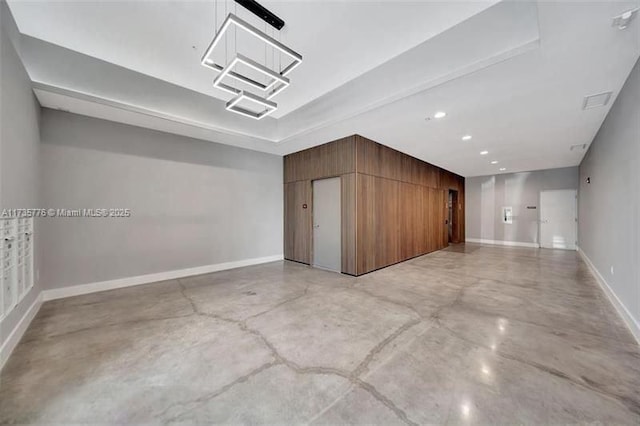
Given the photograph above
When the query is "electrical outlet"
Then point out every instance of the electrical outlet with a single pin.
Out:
(611, 270)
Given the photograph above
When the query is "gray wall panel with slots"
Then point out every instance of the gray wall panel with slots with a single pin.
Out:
(19, 167)
(16, 253)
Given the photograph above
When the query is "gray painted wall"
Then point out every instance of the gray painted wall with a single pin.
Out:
(608, 206)
(193, 203)
(486, 195)
(19, 141)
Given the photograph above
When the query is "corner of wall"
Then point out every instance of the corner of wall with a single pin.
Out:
(13, 338)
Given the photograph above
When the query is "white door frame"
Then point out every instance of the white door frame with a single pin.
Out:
(338, 267)
(575, 224)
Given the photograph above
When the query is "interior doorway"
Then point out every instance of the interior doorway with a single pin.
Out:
(453, 219)
(327, 236)
(559, 219)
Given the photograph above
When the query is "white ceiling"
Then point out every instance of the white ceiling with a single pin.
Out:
(339, 40)
(512, 76)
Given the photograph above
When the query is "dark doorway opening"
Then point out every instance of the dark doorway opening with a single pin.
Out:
(453, 220)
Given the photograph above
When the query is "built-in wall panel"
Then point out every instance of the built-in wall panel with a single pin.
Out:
(297, 221)
(379, 160)
(437, 216)
(378, 224)
(329, 160)
(394, 206)
(410, 202)
(348, 201)
(397, 221)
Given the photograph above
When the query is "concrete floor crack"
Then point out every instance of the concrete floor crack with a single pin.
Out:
(388, 300)
(433, 344)
(630, 403)
(436, 314)
(334, 371)
(364, 365)
(386, 401)
(206, 398)
(103, 326)
(284, 302)
(183, 291)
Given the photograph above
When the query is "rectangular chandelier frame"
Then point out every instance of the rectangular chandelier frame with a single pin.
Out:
(234, 20)
(241, 59)
(276, 81)
(232, 105)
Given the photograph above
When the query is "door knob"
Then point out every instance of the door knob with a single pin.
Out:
(316, 226)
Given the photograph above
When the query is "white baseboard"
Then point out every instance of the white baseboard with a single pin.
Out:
(622, 310)
(502, 243)
(16, 334)
(76, 290)
(18, 331)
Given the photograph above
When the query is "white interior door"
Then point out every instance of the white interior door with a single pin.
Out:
(558, 219)
(327, 252)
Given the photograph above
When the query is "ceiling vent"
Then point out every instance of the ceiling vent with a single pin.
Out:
(623, 20)
(597, 100)
(579, 147)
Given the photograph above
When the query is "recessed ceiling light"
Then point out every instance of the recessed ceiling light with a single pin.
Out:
(502, 169)
(484, 152)
(466, 137)
(494, 162)
(439, 114)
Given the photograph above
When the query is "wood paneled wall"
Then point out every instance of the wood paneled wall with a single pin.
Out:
(324, 161)
(394, 206)
(401, 206)
(332, 159)
(349, 209)
(297, 221)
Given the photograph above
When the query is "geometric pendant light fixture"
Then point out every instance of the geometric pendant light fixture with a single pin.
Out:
(258, 94)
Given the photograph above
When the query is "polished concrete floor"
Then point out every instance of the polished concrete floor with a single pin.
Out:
(470, 334)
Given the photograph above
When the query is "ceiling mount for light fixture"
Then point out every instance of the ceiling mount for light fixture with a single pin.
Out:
(276, 80)
(262, 12)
